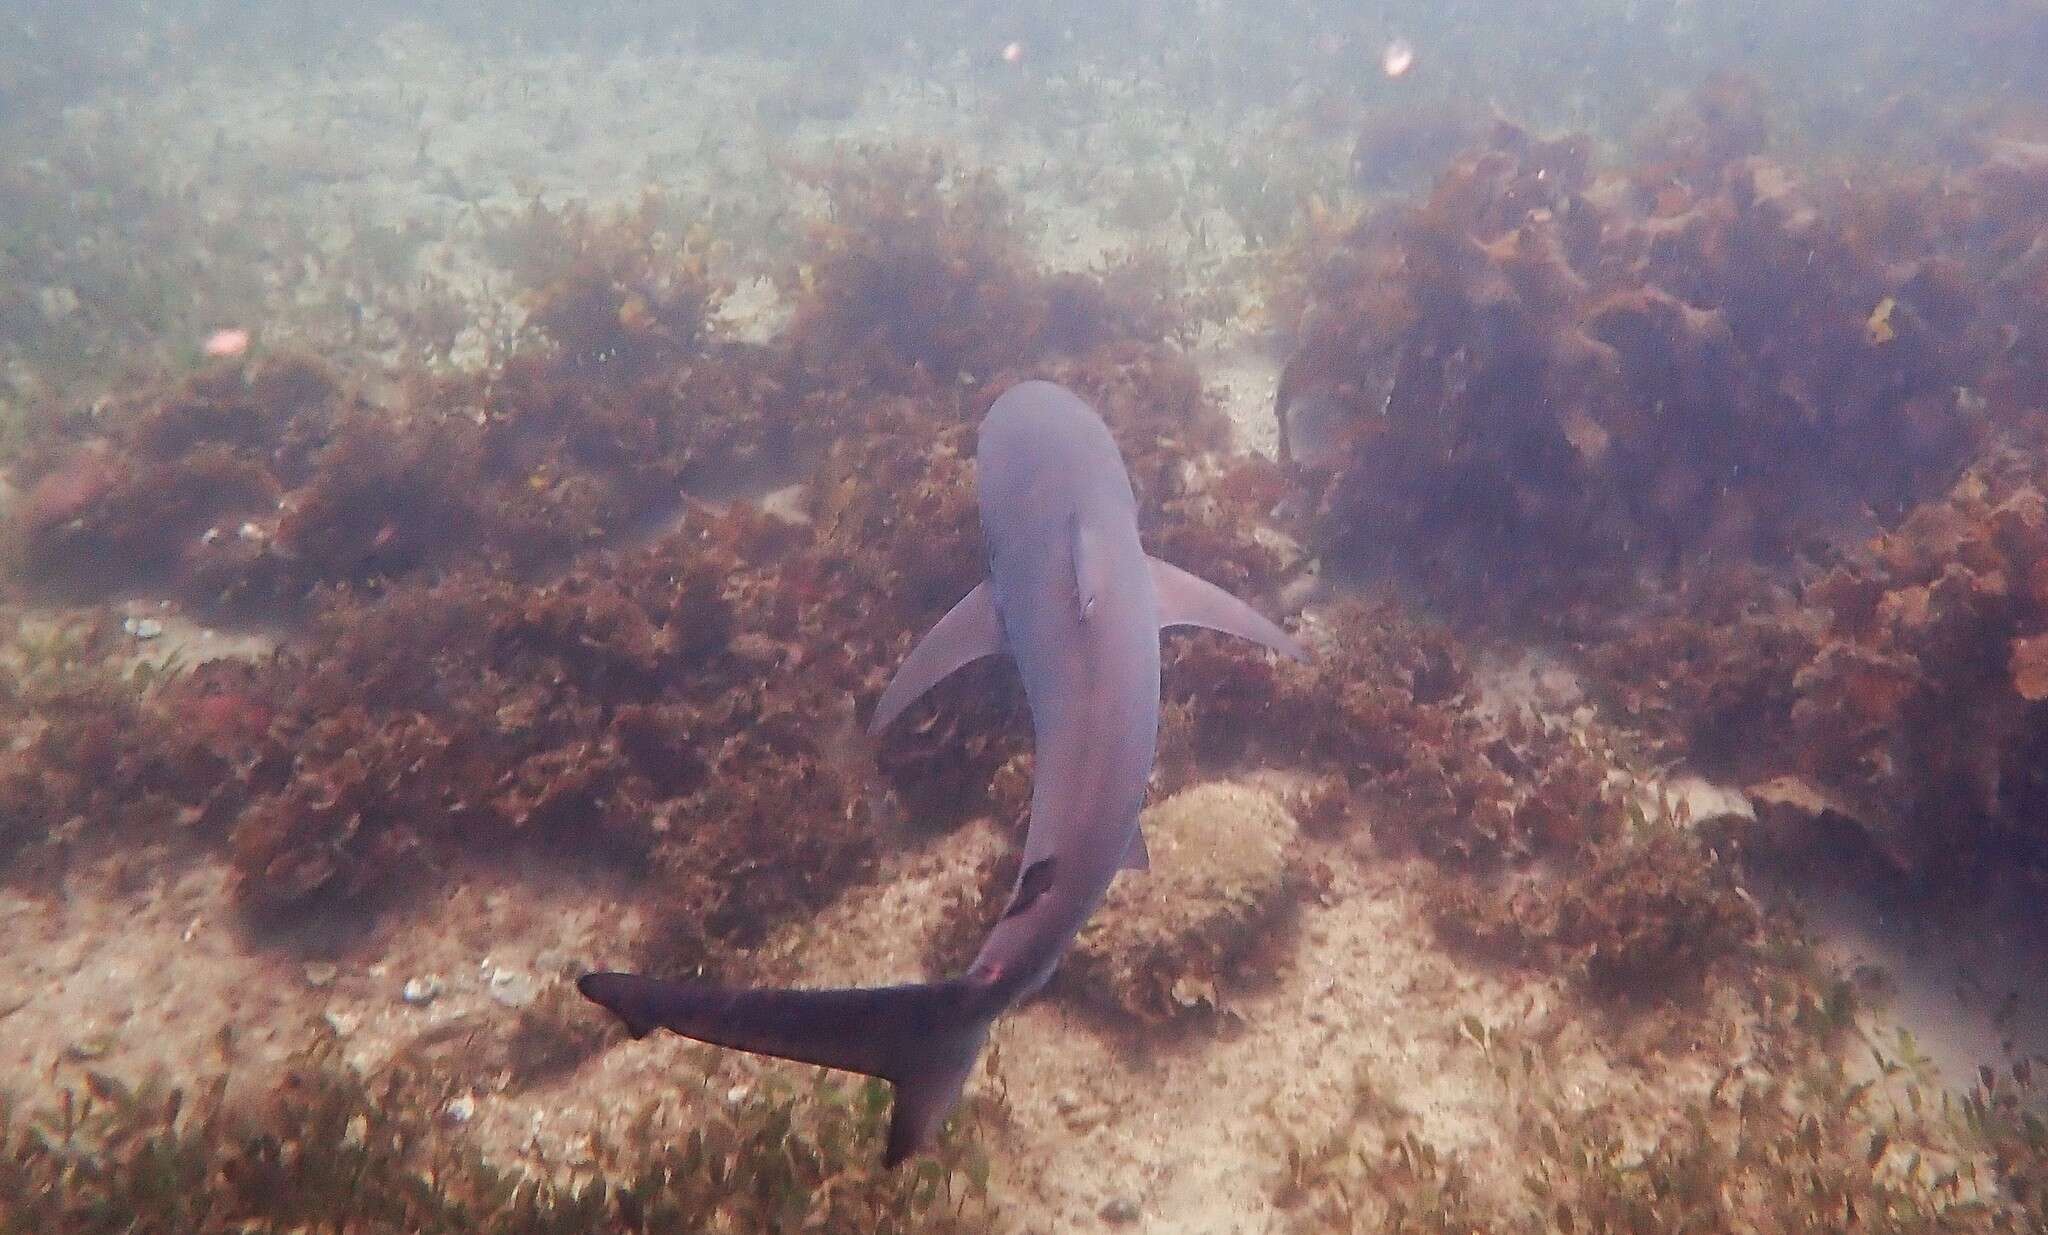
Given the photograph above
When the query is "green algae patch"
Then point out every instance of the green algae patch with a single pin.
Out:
(1169, 941)
(327, 1149)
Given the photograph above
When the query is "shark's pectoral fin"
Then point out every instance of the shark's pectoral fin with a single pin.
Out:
(1137, 857)
(969, 631)
(923, 1038)
(1186, 600)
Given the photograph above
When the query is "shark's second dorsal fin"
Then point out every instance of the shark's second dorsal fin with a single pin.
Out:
(1137, 857)
(969, 631)
(1187, 600)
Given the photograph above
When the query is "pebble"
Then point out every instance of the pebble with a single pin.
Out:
(143, 628)
(1080, 1114)
(86, 1049)
(1119, 1210)
(57, 303)
(460, 1108)
(342, 1023)
(422, 990)
(320, 974)
(513, 988)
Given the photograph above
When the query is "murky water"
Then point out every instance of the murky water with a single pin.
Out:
(468, 475)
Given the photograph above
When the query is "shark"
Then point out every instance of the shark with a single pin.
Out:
(1071, 596)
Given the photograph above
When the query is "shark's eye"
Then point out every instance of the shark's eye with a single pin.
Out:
(1037, 878)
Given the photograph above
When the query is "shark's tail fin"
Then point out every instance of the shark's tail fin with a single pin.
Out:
(923, 1039)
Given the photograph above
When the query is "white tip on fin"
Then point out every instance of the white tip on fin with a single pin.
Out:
(1187, 600)
(969, 631)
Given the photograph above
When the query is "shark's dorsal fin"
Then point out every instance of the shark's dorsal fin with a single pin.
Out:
(1091, 567)
(1186, 600)
(969, 631)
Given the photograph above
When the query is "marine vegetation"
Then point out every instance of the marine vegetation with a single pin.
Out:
(1382, 722)
(325, 1147)
(1890, 709)
(1758, 445)
(91, 752)
(1174, 944)
(512, 621)
(1788, 1138)
(1770, 434)
(1073, 598)
(1641, 915)
(1550, 390)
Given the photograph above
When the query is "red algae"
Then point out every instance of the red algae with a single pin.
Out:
(479, 661)
(920, 279)
(1649, 916)
(1893, 703)
(1382, 717)
(1646, 372)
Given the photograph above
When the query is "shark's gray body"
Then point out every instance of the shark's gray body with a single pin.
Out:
(1072, 596)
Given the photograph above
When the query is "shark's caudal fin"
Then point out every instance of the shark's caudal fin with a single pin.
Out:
(923, 1039)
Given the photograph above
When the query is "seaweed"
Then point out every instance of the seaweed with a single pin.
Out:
(1888, 710)
(636, 710)
(1551, 392)
(1174, 946)
(94, 754)
(476, 660)
(247, 484)
(1381, 717)
(1638, 917)
(1790, 1138)
(326, 1146)
(920, 279)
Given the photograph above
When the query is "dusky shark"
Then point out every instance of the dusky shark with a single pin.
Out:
(1073, 598)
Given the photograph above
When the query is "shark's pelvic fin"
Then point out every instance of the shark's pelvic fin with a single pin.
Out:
(1187, 600)
(921, 1038)
(969, 631)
